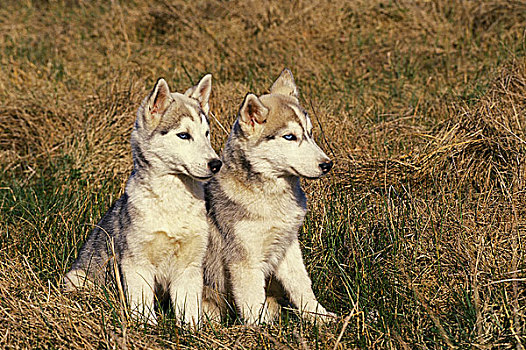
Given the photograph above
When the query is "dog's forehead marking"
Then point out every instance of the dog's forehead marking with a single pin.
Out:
(189, 104)
(171, 119)
(194, 121)
(282, 110)
(181, 108)
(302, 116)
(194, 112)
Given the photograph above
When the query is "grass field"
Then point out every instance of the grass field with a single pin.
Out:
(417, 239)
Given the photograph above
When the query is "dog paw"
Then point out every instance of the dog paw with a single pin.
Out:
(320, 316)
(327, 317)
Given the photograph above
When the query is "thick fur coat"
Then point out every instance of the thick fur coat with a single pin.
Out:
(155, 236)
(256, 206)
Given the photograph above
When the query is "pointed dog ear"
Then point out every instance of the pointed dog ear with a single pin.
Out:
(285, 84)
(157, 104)
(160, 98)
(252, 111)
(201, 92)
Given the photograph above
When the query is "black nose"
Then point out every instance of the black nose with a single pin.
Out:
(325, 167)
(214, 165)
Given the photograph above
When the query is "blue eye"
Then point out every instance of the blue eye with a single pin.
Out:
(184, 136)
(290, 137)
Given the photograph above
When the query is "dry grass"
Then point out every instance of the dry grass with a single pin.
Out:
(416, 240)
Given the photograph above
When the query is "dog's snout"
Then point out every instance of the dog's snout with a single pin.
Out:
(214, 165)
(326, 166)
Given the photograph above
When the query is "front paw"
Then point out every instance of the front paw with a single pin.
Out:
(263, 316)
(192, 320)
(189, 316)
(327, 317)
(319, 315)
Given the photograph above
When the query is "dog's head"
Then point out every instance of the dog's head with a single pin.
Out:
(172, 132)
(275, 133)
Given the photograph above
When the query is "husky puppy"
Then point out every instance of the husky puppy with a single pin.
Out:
(155, 235)
(256, 205)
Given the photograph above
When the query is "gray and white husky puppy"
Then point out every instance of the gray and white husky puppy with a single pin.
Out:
(155, 235)
(256, 206)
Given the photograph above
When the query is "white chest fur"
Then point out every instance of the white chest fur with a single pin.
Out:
(172, 228)
(275, 213)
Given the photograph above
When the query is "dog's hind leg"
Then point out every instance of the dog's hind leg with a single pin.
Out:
(76, 279)
(214, 307)
(276, 297)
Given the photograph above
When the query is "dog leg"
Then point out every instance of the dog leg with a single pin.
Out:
(140, 283)
(292, 274)
(275, 296)
(186, 293)
(248, 288)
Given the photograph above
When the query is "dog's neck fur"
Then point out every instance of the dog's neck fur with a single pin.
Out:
(157, 181)
(163, 185)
